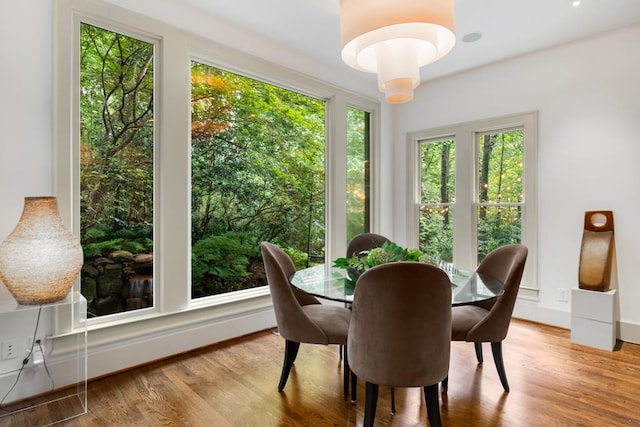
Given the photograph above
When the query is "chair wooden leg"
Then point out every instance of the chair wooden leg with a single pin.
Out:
(345, 373)
(478, 346)
(393, 400)
(496, 349)
(445, 385)
(370, 403)
(354, 386)
(433, 405)
(290, 353)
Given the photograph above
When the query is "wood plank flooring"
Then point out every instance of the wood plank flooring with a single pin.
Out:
(553, 383)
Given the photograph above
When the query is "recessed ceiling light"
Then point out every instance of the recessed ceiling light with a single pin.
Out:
(471, 37)
(575, 3)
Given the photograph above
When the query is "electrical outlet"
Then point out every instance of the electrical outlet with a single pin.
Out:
(9, 349)
(35, 350)
(564, 295)
(35, 345)
(37, 357)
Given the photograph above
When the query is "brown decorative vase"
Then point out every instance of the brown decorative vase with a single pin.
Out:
(40, 259)
(596, 251)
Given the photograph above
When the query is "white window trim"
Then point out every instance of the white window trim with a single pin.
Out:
(173, 306)
(464, 212)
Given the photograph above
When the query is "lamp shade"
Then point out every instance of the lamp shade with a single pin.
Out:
(40, 259)
(394, 38)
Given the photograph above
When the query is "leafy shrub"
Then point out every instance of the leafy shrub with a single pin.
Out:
(299, 258)
(97, 242)
(221, 259)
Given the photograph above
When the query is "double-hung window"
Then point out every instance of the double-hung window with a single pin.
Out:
(474, 190)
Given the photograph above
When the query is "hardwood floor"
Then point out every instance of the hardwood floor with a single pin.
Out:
(553, 383)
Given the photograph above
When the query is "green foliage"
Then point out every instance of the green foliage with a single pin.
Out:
(94, 234)
(219, 263)
(358, 201)
(428, 259)
(355, 262)
(103, 248)
(116, 112)
(388, 252)
(98, 242)
(498, 228)
(299, 258)
(377, 256)
(412, 255)
(257, 163)
(436, 234)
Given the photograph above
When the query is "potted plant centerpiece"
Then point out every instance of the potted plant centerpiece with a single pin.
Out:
(388, 252)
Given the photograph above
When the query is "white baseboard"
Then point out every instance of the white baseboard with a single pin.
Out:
(116, 357)
(531, 310)
(626, 331)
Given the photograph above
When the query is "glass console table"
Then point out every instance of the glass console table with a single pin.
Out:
(51, 386)
(331, 283)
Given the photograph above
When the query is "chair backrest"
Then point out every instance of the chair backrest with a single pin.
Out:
(506, 264)
(293, 323)
(364, 242)
(400, 329)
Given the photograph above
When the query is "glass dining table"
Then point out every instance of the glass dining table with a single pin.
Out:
(331, 283)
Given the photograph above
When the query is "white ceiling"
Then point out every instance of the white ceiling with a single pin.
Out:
(508, 27)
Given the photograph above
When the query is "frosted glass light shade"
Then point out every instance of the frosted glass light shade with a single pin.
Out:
(394, 38)
(40, 259)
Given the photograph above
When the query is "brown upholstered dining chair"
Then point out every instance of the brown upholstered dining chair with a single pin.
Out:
(358, 244)
(300, 317)
(489, 321)
(400, 331)
(364, 242)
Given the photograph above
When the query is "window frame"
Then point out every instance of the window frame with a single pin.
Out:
(466, 188)
(173, 305)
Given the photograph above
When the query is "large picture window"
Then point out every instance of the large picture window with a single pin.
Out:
(116, 170)
(257, 173)
(475, 190)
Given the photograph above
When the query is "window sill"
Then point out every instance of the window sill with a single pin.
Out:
(155, 324)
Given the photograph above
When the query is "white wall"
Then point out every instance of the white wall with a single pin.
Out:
(587, 94)
(25, 108)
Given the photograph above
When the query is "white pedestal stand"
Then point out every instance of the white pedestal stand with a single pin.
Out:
(593, 319)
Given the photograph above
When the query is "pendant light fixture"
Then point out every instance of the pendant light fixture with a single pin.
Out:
(394, 38)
